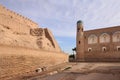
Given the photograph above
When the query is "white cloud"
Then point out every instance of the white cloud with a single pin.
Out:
(61, 16)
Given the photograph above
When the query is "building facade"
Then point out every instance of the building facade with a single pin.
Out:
(97, 45)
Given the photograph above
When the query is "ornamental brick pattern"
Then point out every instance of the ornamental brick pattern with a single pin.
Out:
(99, 44)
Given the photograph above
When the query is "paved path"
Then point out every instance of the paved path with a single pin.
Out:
(87, 71)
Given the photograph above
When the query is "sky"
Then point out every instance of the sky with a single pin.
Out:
(60, 16)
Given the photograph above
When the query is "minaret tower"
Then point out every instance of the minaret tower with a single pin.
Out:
(80, 42)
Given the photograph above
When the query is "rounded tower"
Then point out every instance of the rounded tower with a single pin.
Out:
(80, 41)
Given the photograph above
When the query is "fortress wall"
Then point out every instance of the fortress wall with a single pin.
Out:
(21, 52)
(8, 37)
(50, 37)
(15, 29)
(21, 31)
(15, 21)
(45, 39)
(16, 61)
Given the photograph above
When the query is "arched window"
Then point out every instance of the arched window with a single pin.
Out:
(92, 39)
(104, 49)
(104, 38)
(78, 29)
(118, 48)
(89, 49)
(116, 36)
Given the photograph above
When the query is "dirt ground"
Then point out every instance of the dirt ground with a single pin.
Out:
(86, 71)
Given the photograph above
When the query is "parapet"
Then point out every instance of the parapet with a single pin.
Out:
(12, 13)
(25, 32)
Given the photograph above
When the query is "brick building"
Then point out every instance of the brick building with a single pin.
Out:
(97, 45)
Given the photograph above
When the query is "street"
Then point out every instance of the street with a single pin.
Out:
(87, 71)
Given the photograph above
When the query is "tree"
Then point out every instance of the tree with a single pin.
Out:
(74, 49)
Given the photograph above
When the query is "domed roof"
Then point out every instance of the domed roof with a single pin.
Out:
(79, 21)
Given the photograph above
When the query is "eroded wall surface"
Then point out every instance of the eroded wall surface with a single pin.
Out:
(24, 46)
(17, 30)
(17, 61)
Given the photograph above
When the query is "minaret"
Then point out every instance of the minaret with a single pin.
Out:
(80, 42)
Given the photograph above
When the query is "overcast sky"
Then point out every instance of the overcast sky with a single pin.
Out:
(60, 16)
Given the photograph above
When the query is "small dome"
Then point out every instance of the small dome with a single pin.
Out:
(79, 21)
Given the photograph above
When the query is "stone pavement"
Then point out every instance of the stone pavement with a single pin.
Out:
(86, 71)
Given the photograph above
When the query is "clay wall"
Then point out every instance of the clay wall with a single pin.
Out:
(18, 61)
(17, 30)
(52, 40)
(45, 39)
(16, 22)
(24, 46)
